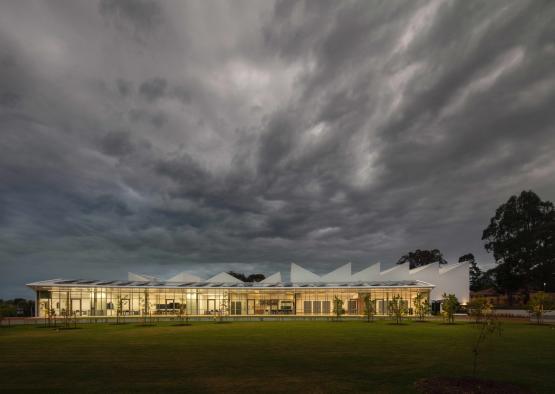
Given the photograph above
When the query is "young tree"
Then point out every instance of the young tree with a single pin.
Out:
(222, 311)
(479, 309)
(338, 307)
(419, 258)
(397, 308)
(145, 307)
(66, 312)
(369, 307)
(450, 305)
(521, 236)
(45, 306)
(119, 307)
(490, 326)
(539, 302)
(183, 314)
(421, 305)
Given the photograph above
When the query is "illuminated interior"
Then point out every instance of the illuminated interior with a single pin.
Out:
(133, 301)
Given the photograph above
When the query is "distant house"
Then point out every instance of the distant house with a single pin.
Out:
(502, 299)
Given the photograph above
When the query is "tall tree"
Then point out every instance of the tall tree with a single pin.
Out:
(521, 236)
(476, 274)
(245, 278)
(419, 258)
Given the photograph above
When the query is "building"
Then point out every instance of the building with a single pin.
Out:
(306, 294)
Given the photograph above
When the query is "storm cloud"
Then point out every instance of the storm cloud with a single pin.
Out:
(205, 136)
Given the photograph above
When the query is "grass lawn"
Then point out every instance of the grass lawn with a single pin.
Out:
(308, 357)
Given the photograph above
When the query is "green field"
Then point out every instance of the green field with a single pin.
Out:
(267, 357)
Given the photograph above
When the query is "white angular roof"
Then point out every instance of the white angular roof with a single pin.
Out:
(341, 274)
(184, 277)
(369, 273)
(274, 278)
(397, 272)
(142, 277)
(299, 274)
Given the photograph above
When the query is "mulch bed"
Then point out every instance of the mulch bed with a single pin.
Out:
(466, 386)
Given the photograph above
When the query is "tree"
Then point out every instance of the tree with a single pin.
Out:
(476, 275)
(66, 312)
(450, 305)
(369, 307)
(419, 258)
(245, 278)
(421, 305)
(222, 311)
(256, 278)
(397, 308)
(479, 309)
(521, 237)
(145, 307)
(338, 307)
(539, 302)
(119, 308)
(491, 326)
(183, 314)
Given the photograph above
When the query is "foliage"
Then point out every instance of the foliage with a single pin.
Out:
(450, 304)
(369, 307)
(222, 311)
(49, 313)
(397, 308)
(521, 236)
(68, 314)
(245, 278)
(539, 302)
(474, 271)
(119, 308)
(338, 307)
(420, 258)
(422, 305)
(479, 309)
(145, 308)
(183, 314)
(17, 307)
(489, 326)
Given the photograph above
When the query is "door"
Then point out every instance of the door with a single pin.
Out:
(76, 306)
(380, 304)
(353, 307)
(211, 307)
(235, 307)
(250, 307)
(170, 306)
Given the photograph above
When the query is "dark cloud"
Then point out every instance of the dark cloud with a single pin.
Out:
(117, 143)
(153, 89)
(157, 118)
(124, 87)
(251, 135)
(138, 15)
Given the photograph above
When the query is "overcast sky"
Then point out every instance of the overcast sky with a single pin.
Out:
(164, 136)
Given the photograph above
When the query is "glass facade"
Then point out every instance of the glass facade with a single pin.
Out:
(136, 301)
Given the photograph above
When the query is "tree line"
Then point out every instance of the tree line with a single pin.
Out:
(521, 237)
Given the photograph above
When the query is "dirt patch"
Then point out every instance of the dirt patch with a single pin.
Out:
(466, 386)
